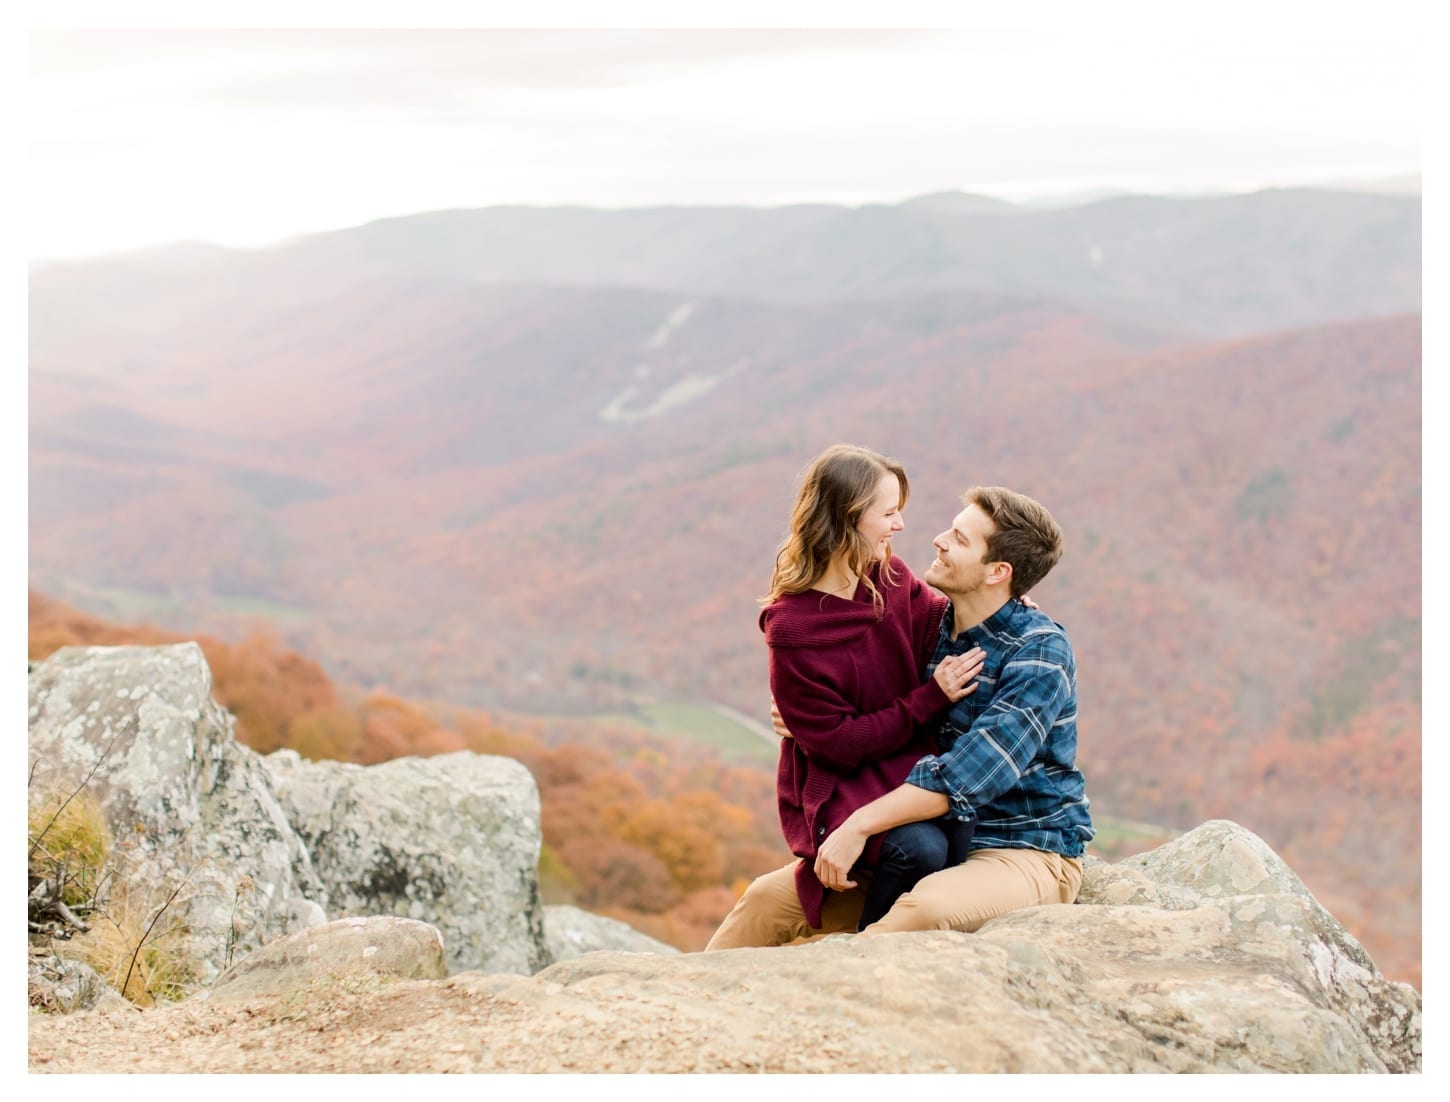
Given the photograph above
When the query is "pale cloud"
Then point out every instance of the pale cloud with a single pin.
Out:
(407, 67)
(243, 137)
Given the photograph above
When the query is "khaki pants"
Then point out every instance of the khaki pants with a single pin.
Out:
(989, 883)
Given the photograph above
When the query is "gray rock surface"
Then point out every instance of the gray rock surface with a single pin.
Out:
(451, 840)
(1215, 860)
(1063, 989)
(1254, 981)
(270, 845)
(63, 986)
(187, 802)
(570, 932)
(1264, 910)
(336, 951)
(1245, 972)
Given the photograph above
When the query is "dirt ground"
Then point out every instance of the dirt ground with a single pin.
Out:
(451, 1026)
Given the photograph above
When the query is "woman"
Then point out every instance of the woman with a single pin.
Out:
(849, 631)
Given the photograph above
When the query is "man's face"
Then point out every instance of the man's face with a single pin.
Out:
(958, 568)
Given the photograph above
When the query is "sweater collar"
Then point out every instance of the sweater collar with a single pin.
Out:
(815, 619)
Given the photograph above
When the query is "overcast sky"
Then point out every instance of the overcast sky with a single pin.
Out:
(244, 137)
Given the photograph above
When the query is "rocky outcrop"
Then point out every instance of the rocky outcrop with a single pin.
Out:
(570, 933)
(1225, 986)
(1244, 973)
(267, 846)
(336, 952)
(1205, 954)
(192, 807)
(451, 840)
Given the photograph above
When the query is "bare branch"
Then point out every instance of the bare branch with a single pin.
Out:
(76, 792)
(149, 927)
(46, 899)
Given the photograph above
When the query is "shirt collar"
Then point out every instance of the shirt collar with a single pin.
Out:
(994, 624)
(1000, 620)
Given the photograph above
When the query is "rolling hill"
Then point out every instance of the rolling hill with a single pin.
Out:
(540, 459)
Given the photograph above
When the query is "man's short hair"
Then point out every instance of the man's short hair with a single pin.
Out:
(1026, 536)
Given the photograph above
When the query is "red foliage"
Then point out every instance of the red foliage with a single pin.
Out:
(618, 874)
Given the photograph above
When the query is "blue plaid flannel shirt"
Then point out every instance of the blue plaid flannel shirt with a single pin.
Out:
(1008, 751)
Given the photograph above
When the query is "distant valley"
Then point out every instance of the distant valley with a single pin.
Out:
(539, 460)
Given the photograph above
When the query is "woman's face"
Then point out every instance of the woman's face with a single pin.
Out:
(882, 518)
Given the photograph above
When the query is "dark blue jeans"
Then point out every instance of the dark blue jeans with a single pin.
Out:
(908, 853)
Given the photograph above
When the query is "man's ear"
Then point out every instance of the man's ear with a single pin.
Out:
(999, 573)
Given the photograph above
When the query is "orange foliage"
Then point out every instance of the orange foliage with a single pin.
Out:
(394, 728)
(688, 925)
(618, 874)
(265, 687)
(326, 734)
(693, 855)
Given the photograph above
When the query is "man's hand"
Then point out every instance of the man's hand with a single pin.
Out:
(837, 854)
(841, 850)
(777, 722)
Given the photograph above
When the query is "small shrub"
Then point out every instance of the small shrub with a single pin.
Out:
(130, 936)
(69, 843)
(557, 882)
(134, 943)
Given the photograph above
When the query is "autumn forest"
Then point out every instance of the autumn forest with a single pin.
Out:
(506, 479)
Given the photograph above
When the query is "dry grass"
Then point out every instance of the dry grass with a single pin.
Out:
(134, 940)
(135, 945)
(69, 842)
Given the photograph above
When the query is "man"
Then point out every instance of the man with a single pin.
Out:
(1008, 755)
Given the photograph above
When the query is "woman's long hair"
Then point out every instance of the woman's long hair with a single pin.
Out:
(838, 487)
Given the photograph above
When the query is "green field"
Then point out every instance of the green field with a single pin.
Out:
(700, 724)
(1119, 838)
(139, 605)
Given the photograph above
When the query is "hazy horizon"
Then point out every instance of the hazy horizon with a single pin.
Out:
(1407, 183)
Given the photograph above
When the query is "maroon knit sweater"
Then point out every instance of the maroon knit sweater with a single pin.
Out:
(849, 688)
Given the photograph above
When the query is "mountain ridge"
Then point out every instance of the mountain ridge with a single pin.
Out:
(526, 495)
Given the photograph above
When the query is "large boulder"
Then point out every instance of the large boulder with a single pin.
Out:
(451, 840)
(1216, 860)
(1222, 870)
(341, 951)
(193, 811)
(570, 932)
